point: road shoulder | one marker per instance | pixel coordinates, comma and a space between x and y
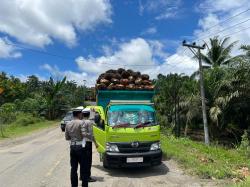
25, 138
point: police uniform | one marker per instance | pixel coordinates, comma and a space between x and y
75, 132
89, 124
89, 139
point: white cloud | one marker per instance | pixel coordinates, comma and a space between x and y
78, 77
161, 9
150, 30
151, 55
7, 50
213, 22
158, 48
39, 22
137, 54
141, 8
171, 12
137, 51
223, 5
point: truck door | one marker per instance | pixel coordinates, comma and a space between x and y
99, 131
100, 137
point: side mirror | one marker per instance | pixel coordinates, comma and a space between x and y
98, 121
97, 118
101, 124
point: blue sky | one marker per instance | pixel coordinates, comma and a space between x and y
80, 39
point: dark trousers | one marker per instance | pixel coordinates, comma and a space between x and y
78, 155
89, 157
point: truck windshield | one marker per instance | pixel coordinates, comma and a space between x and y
131, 118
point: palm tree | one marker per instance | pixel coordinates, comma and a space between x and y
53, 94
218, 52
191, 109
246, 49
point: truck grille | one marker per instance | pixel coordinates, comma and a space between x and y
128, 148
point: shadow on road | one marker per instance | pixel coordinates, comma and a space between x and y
141, 172
98, 179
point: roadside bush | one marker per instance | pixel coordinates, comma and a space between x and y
7, 113
245, 183
245, 144
25, 119
30, 105
205, 161
162, 120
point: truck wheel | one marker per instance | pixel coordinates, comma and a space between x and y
104, 163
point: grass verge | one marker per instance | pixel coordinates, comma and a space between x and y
15, 130
205, 161
245, 183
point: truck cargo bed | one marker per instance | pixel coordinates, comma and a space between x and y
105, 96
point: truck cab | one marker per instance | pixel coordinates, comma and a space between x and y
126, 130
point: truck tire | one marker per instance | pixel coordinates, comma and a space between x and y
104, 163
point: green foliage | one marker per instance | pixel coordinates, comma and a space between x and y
25, 119
12, 88
227, 92
30, 105
202, 160
218, 52
172, 89
50, 99
7, 113
245, 144
246, 49
55, 97
20, 123
15, 130
245, 183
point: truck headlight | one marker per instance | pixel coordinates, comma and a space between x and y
155, 146
112, 148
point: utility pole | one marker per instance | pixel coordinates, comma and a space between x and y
85, 90
197, 54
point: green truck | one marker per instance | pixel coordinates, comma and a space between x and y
126, 130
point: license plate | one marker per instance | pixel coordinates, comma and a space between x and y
134, 159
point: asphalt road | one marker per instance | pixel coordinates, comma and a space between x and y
42, 160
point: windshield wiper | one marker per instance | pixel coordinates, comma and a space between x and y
121, 125
142, 124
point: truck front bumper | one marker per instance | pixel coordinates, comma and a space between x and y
117, 160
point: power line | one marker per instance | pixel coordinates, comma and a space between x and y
138, 65
72, 58
220, 31
40, 51
230, 34
228, 19
131, 65
236, 32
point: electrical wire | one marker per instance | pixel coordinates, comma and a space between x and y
220, 31
228, 19
140, 65
39, 51
236, 32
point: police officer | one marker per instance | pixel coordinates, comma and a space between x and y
89, 126
75, 132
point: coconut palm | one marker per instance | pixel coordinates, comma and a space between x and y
246, 49
218, 52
